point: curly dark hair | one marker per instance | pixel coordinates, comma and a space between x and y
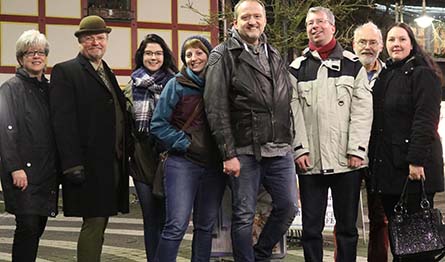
169, 59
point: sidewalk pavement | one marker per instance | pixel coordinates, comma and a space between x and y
123, 240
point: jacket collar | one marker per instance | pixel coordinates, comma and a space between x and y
90, 69
333, 62
235, 43
187, 78
21, 72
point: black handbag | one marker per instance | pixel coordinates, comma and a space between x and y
158, 181
145, 158
416, 234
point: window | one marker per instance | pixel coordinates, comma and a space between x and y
111, 9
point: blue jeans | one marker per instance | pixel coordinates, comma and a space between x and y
277, 174
153, 213
190, 186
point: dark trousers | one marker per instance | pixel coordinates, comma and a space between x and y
29, 229
345, 189
413, 206
153, 213
277, 174
378, 230
91, 238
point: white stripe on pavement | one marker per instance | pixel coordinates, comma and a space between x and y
7, 257
126, 232
128, 253
60, 217
327, 255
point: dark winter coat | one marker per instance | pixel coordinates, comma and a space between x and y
84, 124
407, 99
244, 104
27, 142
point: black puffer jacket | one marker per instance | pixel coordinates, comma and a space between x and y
27, 142
407, 98
244, 105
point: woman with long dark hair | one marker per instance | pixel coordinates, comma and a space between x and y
155, 66
404, 138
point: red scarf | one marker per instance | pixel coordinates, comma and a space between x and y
325, 50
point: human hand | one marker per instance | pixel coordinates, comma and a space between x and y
303, 162
354, 161
20, 179
416, 172
232, 167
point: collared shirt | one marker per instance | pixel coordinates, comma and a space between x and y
375, 68
259, 53
375, 71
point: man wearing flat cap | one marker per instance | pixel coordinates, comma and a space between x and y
90, 125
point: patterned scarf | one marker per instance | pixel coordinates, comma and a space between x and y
146, 91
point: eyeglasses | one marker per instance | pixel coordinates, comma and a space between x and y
311, 23
364, 43
90, 39
157, 53
35, 52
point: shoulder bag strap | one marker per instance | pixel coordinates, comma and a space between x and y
192, 116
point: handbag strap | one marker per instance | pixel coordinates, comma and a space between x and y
400, 207
439, 258
192, 116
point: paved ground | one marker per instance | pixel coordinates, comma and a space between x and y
124, 239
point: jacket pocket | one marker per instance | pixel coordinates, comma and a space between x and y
197, 151
305, 93
243, 87
400, 152
39, 165
343, 148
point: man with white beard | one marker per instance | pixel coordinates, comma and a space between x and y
367, 45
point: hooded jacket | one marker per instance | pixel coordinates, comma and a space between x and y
336, 103
27, 142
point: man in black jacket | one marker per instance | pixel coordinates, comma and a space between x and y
247, 97
88, 112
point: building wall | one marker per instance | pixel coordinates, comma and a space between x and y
59, 19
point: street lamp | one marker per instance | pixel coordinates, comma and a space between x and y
398, 9
424, 21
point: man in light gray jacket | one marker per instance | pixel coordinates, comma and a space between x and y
333, 94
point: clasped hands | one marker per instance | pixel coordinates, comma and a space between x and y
303, 162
